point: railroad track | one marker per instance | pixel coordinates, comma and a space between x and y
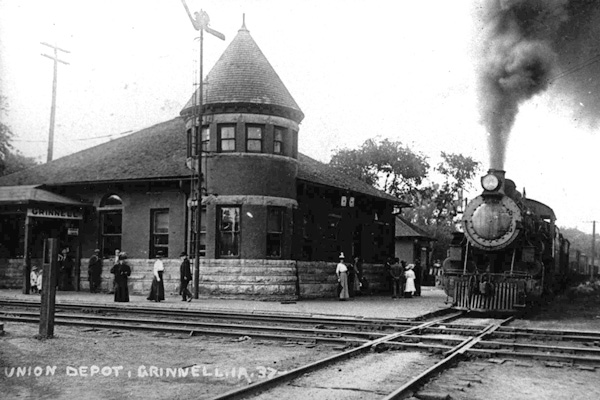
447, 338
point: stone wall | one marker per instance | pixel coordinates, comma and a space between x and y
218, 278
318, 279
281, 279
11, 273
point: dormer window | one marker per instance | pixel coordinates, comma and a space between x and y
278, 140
254, 135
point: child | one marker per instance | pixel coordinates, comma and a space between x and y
33, 280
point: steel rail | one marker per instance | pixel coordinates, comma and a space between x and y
160, 327
231, 314
453, 355
191, 325
293, 374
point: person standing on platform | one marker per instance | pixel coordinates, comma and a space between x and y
396, 274
65, 268
121, 271
185, 276
157, 291
387, 275
33, 278
95, 271
357, 268
409, 288
342, 274
418, 277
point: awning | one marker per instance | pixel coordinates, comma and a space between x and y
17, 195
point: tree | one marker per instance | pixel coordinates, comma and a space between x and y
396, 169
10, 161
389, 166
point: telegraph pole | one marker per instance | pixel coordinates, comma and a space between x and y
593, 248
53, 107
200, 21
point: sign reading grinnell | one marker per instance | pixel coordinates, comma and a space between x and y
53, 213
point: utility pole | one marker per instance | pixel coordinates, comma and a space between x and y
200, 22
593, 249
53, 107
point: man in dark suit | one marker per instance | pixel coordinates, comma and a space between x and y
185, 276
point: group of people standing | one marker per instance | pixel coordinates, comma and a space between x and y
121, 271
403, 278
349, 276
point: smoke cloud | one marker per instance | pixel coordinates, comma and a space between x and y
528, 46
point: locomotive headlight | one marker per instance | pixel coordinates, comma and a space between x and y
490, 182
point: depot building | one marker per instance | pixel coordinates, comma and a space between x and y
273, 221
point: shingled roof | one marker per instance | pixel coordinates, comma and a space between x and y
243, 75
157, 152
406, 229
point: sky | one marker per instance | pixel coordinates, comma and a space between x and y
358, 69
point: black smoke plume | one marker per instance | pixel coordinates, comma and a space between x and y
528, 46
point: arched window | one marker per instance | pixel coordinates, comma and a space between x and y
110, 212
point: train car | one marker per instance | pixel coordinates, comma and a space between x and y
509, 254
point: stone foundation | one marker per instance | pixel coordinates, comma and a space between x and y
280, 279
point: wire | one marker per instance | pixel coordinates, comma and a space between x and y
79, 139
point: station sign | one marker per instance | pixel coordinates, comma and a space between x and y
50, 212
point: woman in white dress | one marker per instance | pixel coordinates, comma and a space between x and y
409, 287
342, 274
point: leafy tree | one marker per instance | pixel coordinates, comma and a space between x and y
389, 166
397, 170
10, 161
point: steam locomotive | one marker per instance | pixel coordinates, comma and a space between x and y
509, 254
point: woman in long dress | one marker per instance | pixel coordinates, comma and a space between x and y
409, 287
157, 290
342, 274
121, 271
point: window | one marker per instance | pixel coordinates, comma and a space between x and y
229, 232
254, 138
274, 231
192, 140
111, 224
227, 138
192, 246
159, 229
278, 140
205, 138
333, 221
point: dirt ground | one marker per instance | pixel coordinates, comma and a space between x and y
107, 364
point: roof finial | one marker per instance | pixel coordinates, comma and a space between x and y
244, 22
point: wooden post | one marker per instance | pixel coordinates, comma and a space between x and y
49, 280
27, 256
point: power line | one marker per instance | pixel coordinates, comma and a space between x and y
78, 139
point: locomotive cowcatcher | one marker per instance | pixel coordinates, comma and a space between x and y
509, 254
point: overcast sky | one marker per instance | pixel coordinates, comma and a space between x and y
404, 70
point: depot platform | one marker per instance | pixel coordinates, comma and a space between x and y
431, 302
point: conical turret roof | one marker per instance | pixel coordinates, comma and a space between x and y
244, 76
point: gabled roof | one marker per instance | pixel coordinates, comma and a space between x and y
33, 194
406, 229
314, 171
157, 152
244, 75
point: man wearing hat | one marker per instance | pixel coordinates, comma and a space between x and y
95, 271
185, 276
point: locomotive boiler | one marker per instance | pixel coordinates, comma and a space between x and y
509, 252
